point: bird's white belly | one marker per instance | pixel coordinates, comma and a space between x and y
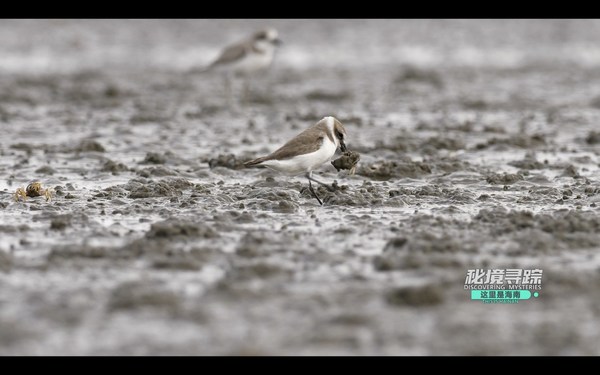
252, 62
304, 163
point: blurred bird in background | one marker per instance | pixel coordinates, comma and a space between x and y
245, 59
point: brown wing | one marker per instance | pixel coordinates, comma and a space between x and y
231, 54
304, 143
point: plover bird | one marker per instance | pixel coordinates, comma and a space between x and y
307, 151
250, 55
246, 58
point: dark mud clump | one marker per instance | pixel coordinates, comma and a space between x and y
533, 241
427, 243
428, 295
88, 145
142, 188
259, 244
111, 192
85, 145
570, 222
235, 216
154, 158
149, 114
143, 294
504, 178
113, 167
385, 170
593, 138
448, 165
570, 171
421, 249
14, 332
22, 146
451, 195
6, 261
542, 232
276, 200
70, 252
413, 74
521, 141
284, 207
529, 162
158, 171
433, 144
165, 251
412, 143
347, 161
475, 104
368, 194
504, 221
227, 161
402, 143
46, 170
260, 270
60, 222
174, 228
328, 96
176, 261
14, 228
166, 157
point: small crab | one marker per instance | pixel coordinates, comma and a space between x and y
34, 189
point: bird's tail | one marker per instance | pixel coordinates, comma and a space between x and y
254, 162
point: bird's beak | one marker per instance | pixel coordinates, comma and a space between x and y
342, 146
277, 42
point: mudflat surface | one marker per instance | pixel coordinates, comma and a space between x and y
478, 145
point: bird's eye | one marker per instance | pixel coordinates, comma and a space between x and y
339, 134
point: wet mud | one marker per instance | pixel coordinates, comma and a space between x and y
158, 241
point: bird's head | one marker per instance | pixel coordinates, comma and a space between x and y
266, 37
339, 133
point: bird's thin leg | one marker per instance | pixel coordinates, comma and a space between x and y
269, 86
311, 178
246, 94
228, 90
313, 192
